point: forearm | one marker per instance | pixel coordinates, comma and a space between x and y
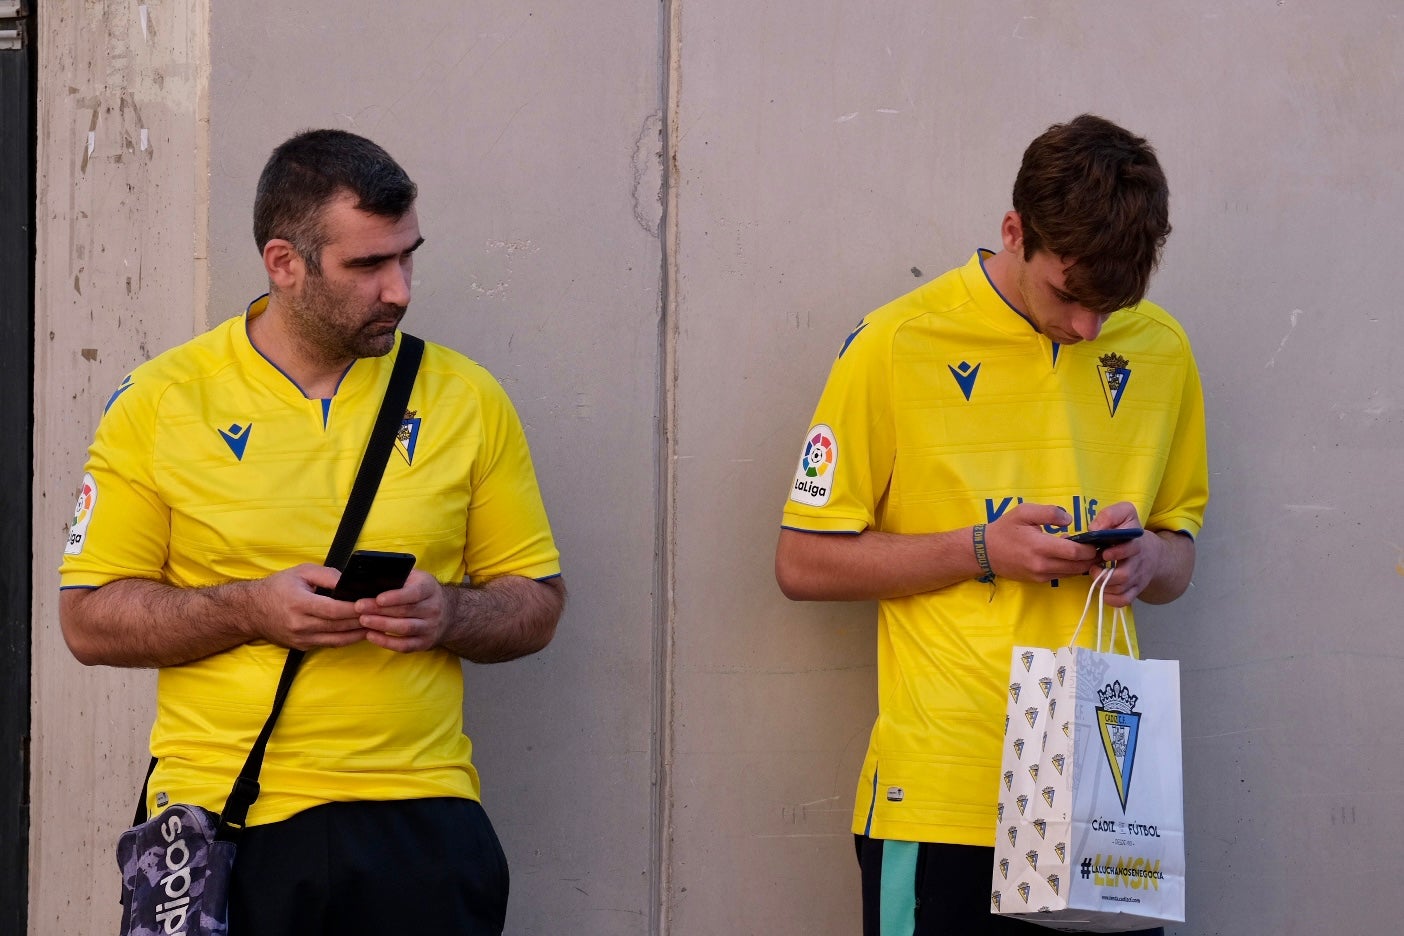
1174, 569
146, 624
871, 564
507, 618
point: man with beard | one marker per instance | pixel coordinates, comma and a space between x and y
212, 492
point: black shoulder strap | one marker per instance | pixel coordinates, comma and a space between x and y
382, 439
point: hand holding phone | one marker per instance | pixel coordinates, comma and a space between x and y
1104, 538
369, 573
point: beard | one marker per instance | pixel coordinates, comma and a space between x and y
331, 327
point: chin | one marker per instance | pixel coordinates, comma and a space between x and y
375, 345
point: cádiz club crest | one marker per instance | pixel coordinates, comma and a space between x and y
1119, 723
407, 438
1116, 373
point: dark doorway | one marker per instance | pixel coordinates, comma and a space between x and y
17, 148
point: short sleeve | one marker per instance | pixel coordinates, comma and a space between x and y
120, 527
1184, 488
508, 531
846, 458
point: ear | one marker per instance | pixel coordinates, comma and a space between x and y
285, 266
1011, 232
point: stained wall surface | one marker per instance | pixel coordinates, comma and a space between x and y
120, 276
683, 758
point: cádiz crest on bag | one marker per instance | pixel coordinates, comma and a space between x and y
1120, 724
175, 875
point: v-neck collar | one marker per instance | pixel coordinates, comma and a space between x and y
358, 377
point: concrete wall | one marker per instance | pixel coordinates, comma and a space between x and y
831, 150
683, 758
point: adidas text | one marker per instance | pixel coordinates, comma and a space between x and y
171, 914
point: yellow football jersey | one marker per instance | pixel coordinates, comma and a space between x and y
210, 466
946, 408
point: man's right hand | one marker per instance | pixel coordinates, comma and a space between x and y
142, 623
291, 614
1020, 549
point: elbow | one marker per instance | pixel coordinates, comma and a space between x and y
87, 659
806, 566
545, 630
85, 651
77, 629
542, 637
790, 576
789, 587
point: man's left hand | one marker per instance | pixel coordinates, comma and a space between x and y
408, 619
1136, 560
1155, 568
503, 619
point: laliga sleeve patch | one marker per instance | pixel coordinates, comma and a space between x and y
82, 514
814, 479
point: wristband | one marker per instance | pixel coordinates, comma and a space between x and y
982, 554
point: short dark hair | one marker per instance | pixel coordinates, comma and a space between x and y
308, 171
1092, 192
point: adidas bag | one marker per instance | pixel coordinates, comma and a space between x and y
1090, 834
175, 875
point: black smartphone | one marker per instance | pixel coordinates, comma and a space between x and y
1104, 538
368, 573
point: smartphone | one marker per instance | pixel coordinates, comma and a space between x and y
368, 573
1104, 538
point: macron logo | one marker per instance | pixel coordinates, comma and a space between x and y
965, 376
236, 437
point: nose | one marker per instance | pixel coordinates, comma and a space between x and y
1088, 324
395, 285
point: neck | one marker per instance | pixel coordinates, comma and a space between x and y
1000, 268
315, 374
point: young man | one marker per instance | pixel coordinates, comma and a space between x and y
212, 493
1028, 393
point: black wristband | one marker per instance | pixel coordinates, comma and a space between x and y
982, 554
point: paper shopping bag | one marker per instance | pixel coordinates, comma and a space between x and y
1090, 833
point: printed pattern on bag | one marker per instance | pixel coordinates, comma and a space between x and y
175, 877
1033, 699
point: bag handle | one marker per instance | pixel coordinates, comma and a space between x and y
1099, 587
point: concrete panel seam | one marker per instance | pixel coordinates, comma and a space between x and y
662, 820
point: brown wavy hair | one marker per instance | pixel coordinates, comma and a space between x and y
1093, 192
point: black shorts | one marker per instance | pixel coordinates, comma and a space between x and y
372, 868
934, 889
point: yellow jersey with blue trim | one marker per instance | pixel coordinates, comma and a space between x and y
945, 408
209, 465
